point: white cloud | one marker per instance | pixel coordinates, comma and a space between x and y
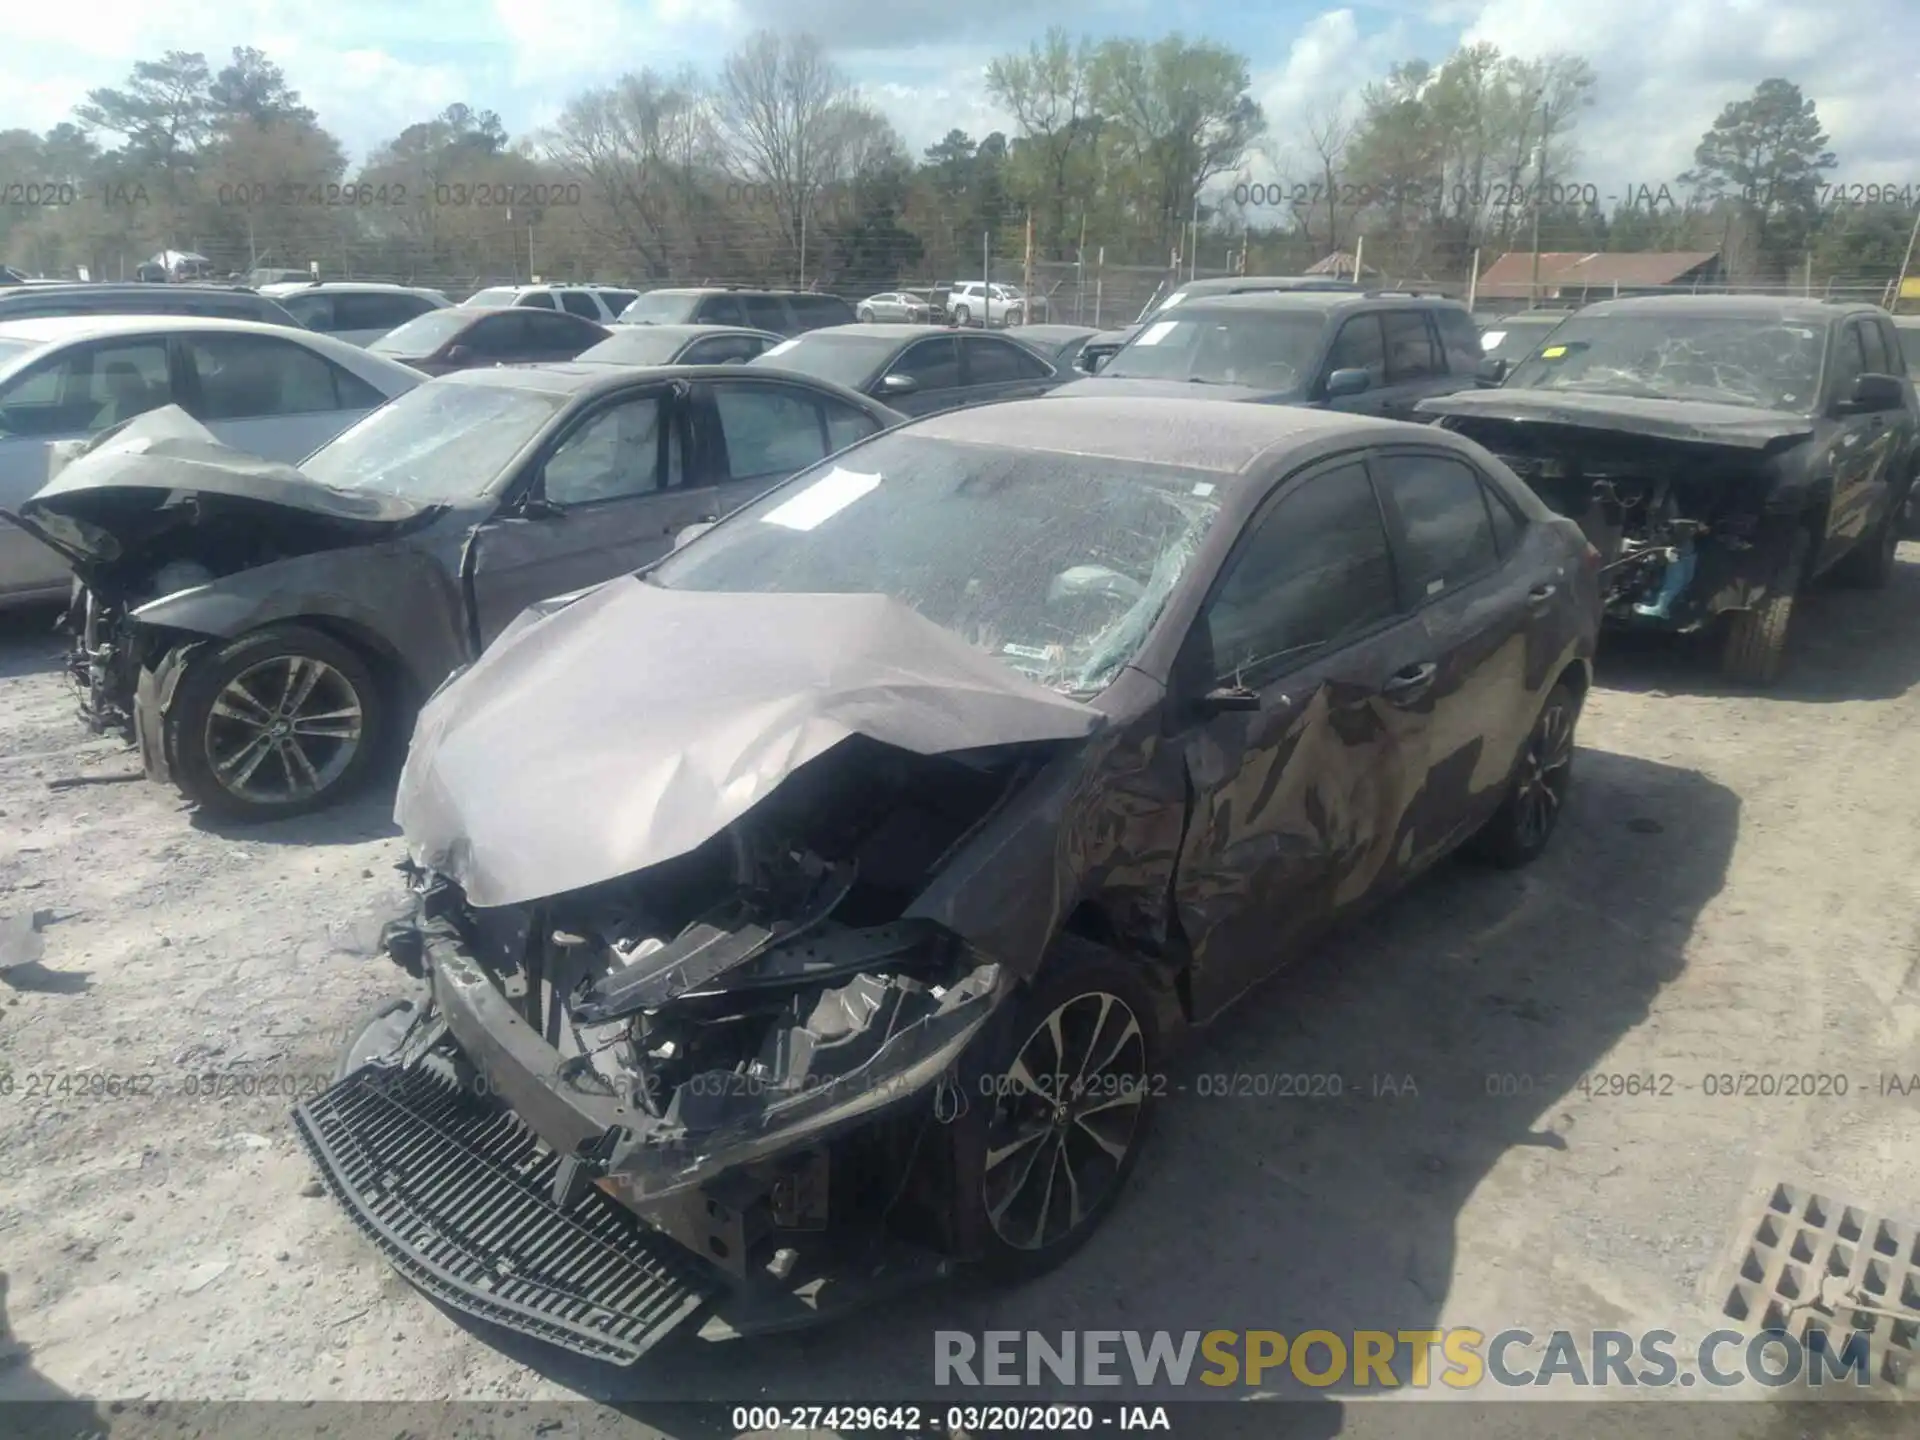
1327, 65
1666, 68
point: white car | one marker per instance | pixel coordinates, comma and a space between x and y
357, 311
601, 303
971, 301
267, 389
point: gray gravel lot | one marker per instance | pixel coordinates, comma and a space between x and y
1734, 889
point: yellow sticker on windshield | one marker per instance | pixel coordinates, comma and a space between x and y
1553, 352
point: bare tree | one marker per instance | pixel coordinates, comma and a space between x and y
1329, 132
639, 147
782, 108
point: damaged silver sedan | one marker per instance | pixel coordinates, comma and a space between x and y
816, 912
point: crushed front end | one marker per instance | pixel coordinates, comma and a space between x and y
1685, 529
746, 1047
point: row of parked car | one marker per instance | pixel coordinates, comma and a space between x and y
837, 779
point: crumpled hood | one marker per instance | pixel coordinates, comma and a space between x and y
1115, 387
635, 723
1700, 421
167, 458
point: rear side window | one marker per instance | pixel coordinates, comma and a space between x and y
1896, 356
1459, 340
247, 377
1410, 350
374, 311
1875, 348
88, 389
1447, 531
721, 310
1508, 527
313, 311
814, 312
997, 362
765, 312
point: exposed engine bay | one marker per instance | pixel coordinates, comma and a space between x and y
1680, 526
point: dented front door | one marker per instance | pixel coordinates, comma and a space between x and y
1297, 803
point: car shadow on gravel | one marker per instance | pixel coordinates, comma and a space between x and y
1454, 1021
29, 642
367, 816
1843, 645
32, 1407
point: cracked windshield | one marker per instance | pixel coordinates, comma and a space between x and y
1767, 364
1056, 564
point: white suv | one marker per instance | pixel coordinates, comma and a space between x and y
972, 301
599, 303
357, 311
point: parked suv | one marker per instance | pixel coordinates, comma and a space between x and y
1364, 352
357, 311
601, 304
972, 300
784, 312
216, 302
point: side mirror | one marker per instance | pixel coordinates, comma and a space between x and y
458, 354
692, 533
1227, 700
538, 507
1493, 370
1872, 394
1342, 383
897, 384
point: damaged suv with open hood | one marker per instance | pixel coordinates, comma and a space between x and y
814, 910
1720, 452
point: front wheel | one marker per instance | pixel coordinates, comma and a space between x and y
1756, 642
1059, 1097
962, 315
281, 722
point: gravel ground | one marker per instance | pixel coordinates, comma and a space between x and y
1733, 890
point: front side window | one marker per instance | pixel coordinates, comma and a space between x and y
935, 364
1315, 570
613, 455
536, 300
578, 302
1360, 346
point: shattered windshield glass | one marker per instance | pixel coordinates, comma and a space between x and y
1757, 361
440, 443
1058, 565
1266, 349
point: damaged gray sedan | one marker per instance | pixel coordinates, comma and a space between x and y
264, 631
815, 912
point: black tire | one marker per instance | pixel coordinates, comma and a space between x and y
205, 746
1870, 564
1520, 829
1756, 640
962, 315
1103, 1005
863, 315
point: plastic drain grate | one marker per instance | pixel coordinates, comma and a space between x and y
1810, 1263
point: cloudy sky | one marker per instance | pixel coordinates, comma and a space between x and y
370, 67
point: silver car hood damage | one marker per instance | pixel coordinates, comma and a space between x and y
634, 724
170, 452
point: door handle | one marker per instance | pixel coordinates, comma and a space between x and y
1410, 684
1540, 594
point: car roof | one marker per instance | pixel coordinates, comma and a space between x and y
279, 288
1052, 332
54, 329
1258, 284
691, 331
879, 330
734, 290
1223, 436
1322, 300
574, 377
1747, 307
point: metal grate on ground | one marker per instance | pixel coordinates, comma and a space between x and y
457, 1196
1810, 1263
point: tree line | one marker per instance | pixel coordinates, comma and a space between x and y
775, 169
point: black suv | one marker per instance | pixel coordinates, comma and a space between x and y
1365, 352
784, 312
1720, 451
219, 302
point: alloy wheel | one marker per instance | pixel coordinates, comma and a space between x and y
283, 730
1545, 769
1069, 1112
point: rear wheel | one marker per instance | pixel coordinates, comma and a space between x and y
278, 723
863, 315
1756, 642
962, 315
1059, 1095
1520, 829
